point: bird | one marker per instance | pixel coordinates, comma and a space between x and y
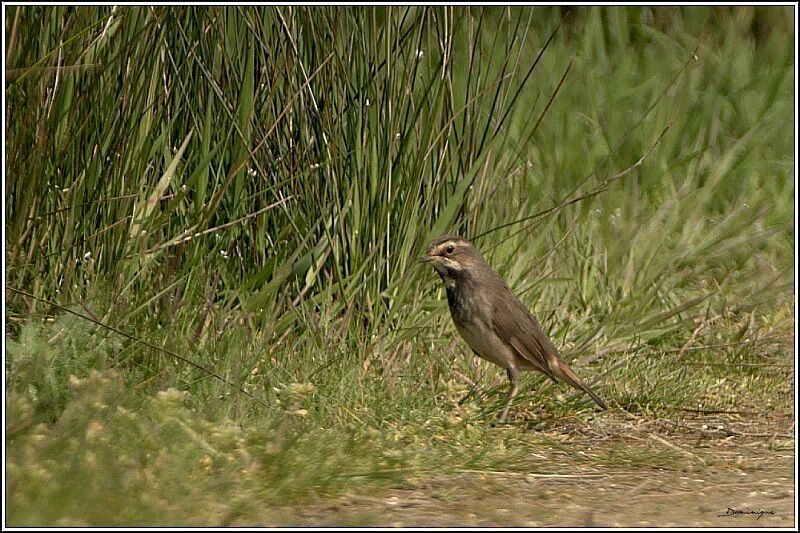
495, 324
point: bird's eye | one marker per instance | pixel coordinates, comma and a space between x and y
450, 249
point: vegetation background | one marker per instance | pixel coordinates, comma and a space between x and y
212, 216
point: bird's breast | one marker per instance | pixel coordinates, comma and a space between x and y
484, 342
473, 320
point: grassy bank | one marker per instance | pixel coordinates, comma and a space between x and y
248, 189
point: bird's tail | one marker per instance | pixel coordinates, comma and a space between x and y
570, 377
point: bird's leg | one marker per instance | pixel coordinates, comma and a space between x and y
513, 377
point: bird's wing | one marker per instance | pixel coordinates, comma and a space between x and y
513, 323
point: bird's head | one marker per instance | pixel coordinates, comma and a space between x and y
453, 257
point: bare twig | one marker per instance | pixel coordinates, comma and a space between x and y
186, 238
93, 202
725, 344
552, 98
141, 341
623, 347
601, 187
77, 243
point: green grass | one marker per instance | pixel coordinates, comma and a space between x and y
249, 188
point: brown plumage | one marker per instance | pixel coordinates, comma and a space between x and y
495, 324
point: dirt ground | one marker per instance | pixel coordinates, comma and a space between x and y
711, 469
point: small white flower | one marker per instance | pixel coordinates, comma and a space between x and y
223, 253
87, 256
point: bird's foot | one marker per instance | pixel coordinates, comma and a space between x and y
501, 420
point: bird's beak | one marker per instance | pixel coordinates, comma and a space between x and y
424, 259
